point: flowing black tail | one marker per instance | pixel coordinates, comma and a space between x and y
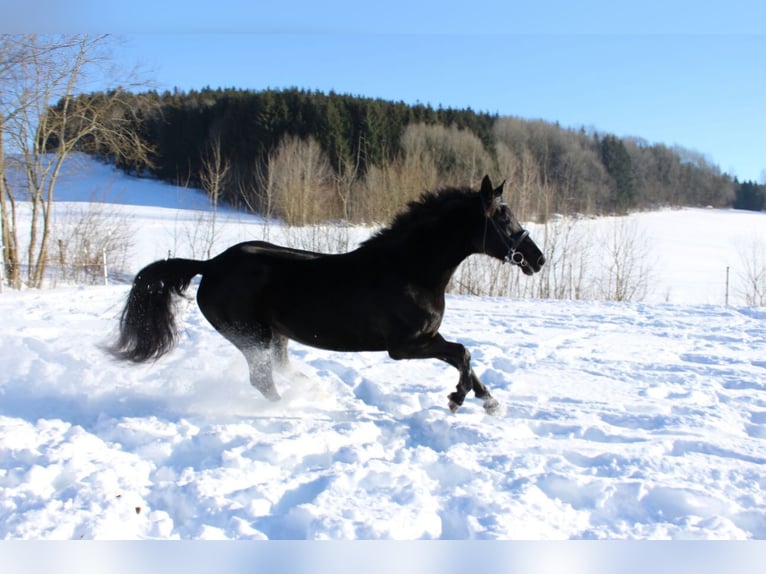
147, 325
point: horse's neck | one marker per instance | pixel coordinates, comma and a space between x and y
428, 255
434, 262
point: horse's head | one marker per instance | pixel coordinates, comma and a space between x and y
503, 236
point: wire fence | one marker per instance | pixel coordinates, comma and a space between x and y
95, 273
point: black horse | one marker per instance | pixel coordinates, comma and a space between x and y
387, 295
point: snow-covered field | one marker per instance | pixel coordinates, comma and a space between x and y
633, 420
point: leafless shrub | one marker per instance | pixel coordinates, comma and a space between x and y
752, 278
567, 249
88, 237
623, 253
194, 235
215, 169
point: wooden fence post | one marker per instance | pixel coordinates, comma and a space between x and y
106, 271
2, 265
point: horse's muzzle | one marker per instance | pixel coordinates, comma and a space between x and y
528, 267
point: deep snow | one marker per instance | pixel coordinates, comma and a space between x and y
631, 420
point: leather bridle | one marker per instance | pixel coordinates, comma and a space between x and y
514, 256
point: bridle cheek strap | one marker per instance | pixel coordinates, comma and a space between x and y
516, 241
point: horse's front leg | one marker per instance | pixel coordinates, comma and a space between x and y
455, 354
468, 382
482, 392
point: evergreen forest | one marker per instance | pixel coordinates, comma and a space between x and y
307, 157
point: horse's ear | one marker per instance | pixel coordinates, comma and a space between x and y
490, 196
487, 192
486, 184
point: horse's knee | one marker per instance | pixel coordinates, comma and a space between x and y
463, 363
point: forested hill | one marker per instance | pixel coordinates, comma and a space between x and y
308, 156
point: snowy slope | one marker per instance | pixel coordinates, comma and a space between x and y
640, 420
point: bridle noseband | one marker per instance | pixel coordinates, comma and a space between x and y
514, 256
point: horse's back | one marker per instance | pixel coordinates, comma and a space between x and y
253, 280
271, 249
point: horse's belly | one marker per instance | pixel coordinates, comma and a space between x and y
340, 326
334, 338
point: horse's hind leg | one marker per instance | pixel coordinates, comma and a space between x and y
233, 319
279, 351
259, 362
256, 347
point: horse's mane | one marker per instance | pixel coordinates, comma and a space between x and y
422, 217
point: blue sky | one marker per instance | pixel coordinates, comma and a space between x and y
685, 73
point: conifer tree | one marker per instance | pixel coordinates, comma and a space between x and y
617, 162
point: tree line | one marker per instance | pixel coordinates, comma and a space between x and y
307, 156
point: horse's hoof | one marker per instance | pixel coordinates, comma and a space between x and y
455, 400
491, 406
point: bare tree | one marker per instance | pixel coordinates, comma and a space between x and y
527, 176
215, 169
445, 155
346, 178
431, 157
302, 179
12, 57
43, 120
385, 190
